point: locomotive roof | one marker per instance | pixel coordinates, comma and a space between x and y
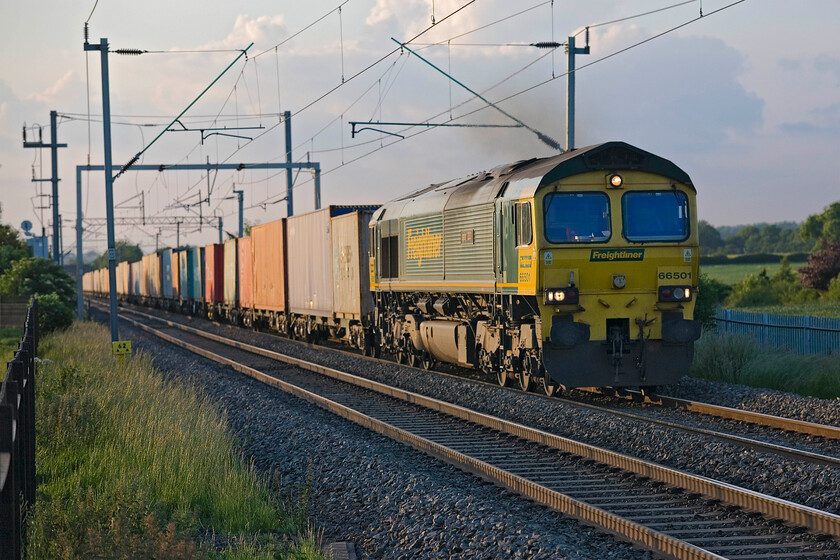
523, 178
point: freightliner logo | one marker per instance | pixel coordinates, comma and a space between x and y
610, 255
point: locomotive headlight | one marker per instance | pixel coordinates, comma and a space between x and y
555, 296
615, 180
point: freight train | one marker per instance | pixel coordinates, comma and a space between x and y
577, 270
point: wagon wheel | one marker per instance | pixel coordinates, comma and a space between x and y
402, 355
413, 358
525, 380
427, 361
502, 376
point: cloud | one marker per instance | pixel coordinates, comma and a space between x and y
829, 65
260, 30
790, 64
825, 124
52, 93
683, 92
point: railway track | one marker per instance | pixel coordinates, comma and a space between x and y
672, 513
794, 426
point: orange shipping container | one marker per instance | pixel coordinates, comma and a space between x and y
176, 275
268, 243
246, 272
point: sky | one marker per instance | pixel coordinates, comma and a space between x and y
745, 99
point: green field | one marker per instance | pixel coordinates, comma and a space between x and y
734, 273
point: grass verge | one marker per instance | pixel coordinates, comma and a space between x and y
133, 466
745, 361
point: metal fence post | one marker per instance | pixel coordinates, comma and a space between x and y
10, 523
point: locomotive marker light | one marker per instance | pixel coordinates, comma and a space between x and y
674, 293
615, 180
619, 281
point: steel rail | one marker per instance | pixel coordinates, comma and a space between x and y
746, 442
813, 519
758, 418
616, 525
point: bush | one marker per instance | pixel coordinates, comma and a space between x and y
823, 266
34, 276
754, 290
833, 292
53, 314
762, 290
710, 294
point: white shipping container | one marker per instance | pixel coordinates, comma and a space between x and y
351, 278
310, 264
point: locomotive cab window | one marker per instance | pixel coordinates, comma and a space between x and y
655, 216
524, 231
577, 217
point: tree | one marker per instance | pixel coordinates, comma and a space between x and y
12, 247
126, 251
710, 239
823, 227
823, 266
36, 276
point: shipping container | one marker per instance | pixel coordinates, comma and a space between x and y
310, 263
136, 277
87, 282
176, 275
268, 243
310, 257
166, 271
184, 273
123, 278
246, 273
106, 286
231, 284
155, 276
214, 273
197, 273
145, 278
351, 276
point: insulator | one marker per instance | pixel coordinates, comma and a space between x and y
86, 33
547, 45
130, 52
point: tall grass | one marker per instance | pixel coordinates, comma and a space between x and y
9, 339
743, 360
130, 465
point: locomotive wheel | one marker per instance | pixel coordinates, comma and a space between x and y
502, 376
413, 358
525, 381
549, 387
402, 355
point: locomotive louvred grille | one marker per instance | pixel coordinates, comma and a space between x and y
615, 157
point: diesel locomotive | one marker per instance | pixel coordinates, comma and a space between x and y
577, 270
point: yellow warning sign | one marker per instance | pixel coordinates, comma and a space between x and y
121, 347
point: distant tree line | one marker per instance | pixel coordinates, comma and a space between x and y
818, 280
752, 239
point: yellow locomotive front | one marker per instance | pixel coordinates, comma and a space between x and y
618, 269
